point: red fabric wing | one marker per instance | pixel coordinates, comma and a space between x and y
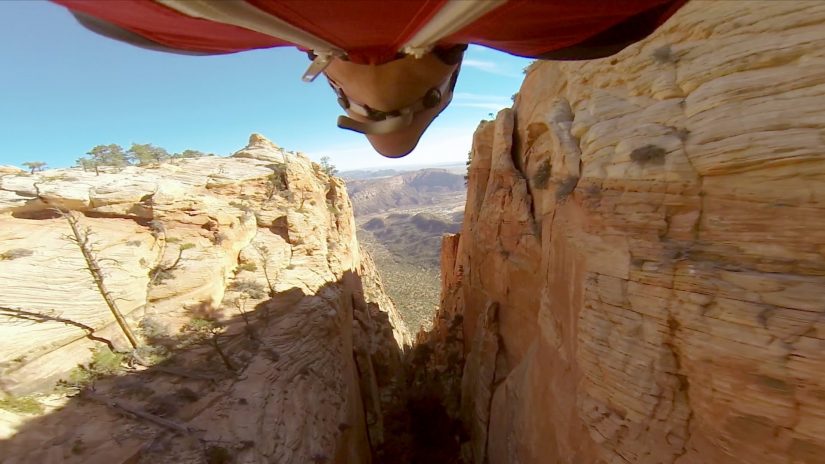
532, 28
170, 28
371, 31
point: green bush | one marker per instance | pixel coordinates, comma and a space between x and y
104, 363
248, 266
159, 341
250, 287
542, 175
648, 154
21, 404
664, 54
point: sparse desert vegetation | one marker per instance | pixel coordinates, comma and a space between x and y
413, 288
402, 230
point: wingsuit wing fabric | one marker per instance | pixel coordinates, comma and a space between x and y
374, 31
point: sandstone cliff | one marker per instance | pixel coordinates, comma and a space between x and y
255, 254
641, 272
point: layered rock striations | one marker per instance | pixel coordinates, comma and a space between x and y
640, 277
260, 249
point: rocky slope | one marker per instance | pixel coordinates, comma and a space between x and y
401, 219
640, 277
414, 238
264, 331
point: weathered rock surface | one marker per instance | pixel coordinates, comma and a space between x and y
315, 346
650, 228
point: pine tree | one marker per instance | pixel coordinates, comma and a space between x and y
145, 153
109, 155
327, 167
189, 154
35, 166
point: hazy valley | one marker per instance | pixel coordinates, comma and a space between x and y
401, 219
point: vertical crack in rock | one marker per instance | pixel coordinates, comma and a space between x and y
683, 381
478, 383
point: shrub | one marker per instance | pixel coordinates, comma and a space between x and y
157, 227
200, 328
649, 154
219, 237
663, 54
159, 275
542, 175
250, 287
682, 132
15, 253
187, 394
566, 187
153, 329
327, 167
35, 166
21, 404
207, 330
159, 341
218, 455
104, 363
243, 206
277, 181
248, 266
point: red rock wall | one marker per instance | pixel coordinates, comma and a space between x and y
641, 271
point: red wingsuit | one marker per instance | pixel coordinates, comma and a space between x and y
373, 31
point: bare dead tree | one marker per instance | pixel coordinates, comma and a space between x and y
215, 332
240, 305
205, 327
161, 271
81, 237
121, 406
265, 254
39, 318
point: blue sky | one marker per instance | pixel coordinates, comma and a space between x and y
64, 90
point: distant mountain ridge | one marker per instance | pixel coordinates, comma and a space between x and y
378, 172
415, 188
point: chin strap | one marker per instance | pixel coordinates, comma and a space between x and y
387, 122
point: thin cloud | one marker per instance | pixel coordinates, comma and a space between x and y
477, 96
475, 100
484, 106
490, 67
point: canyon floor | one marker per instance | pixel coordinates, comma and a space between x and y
401, 220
